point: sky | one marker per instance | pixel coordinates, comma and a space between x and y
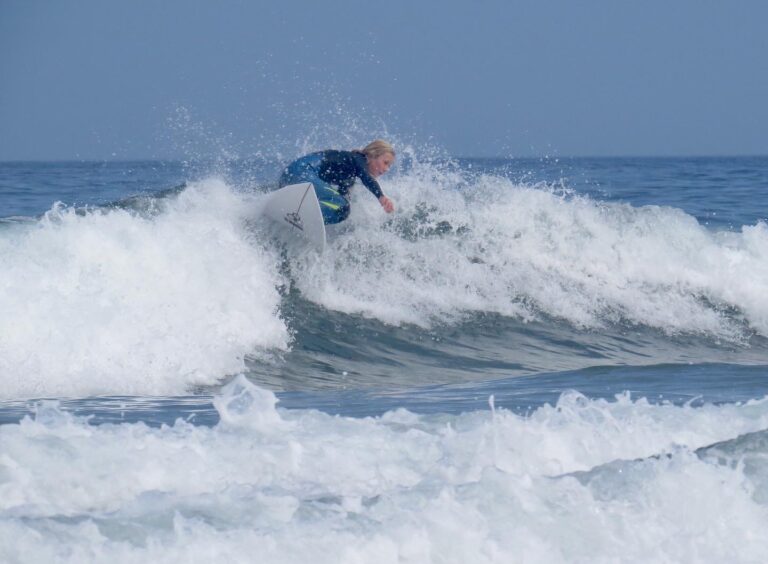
115, 79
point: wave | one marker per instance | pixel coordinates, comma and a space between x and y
162, 295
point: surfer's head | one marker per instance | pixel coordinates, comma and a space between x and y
380, 156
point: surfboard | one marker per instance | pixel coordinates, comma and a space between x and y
296, 208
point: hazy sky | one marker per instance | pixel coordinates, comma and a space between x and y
83, 79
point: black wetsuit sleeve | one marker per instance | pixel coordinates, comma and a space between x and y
367, 180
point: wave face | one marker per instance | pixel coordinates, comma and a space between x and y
479, 275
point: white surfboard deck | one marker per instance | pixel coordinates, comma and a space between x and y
296, 208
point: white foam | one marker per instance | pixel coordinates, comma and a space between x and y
113, 302
526, 250
301, 486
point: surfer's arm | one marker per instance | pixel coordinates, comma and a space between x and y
370, 183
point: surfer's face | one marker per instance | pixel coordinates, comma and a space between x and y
381, 164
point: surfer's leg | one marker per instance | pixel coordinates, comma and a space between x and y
295, 173
334, 206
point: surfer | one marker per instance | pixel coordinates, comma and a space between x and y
333, 173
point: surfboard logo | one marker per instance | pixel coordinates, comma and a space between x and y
296, 210
294, 219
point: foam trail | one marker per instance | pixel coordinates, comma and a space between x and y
112, 302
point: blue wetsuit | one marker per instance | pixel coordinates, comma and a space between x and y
332, 173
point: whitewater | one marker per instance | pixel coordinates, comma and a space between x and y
533, 361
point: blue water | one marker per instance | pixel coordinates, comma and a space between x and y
564, 299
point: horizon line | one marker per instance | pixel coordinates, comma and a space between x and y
463, 157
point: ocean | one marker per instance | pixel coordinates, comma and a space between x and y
531, 360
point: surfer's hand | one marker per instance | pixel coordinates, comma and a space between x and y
387, 204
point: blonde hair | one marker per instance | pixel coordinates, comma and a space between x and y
376, 148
